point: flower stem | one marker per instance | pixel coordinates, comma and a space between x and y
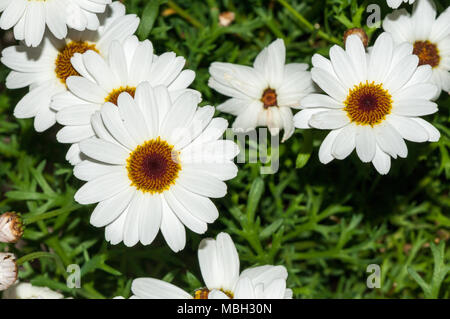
184, 14
41, 254
51, 214
308, 25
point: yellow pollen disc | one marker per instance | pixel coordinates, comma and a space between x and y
153, 166
114, 95
204, 292
427, 52
368, 104
64, 67
269, 98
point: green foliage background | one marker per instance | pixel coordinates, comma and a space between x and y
326, 224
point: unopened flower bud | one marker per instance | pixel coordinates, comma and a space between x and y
8, 270
11, 228
358, 32
226, 18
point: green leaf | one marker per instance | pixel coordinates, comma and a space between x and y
256, 191
148, 19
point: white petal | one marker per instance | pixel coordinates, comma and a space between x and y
102, 188
172, 229
108, 210
104, 151
332, 119
381, 161
149, 288
345, 142
365, 143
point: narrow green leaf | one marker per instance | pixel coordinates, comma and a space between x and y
148, 19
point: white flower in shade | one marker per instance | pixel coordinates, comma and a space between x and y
11, 228
8, 270
429, 35
396, 3
154, 165
373, 102
265, 94
45, 69
29, 18
25, 290
104, 80
219, 264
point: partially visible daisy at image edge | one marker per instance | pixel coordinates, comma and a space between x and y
45, 69
25, 290
153, 165
372, 102
429, 35
30, 18
219, 265
394, 4
102, 80
265, 94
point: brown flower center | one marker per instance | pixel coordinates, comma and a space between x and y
64, 68
427, 52
368, 104
114, 95
269, 98
153, 166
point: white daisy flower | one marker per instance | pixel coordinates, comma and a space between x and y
25, 290
429, 36
104, 80
154, 165
373, 102
8, 270
396, 3
11, 227
265, 94
29, 18
45, 69
219, 265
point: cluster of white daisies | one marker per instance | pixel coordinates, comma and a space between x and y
152, 158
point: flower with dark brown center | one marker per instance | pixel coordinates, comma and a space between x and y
153, 166
368, 104
269, 98
427, 52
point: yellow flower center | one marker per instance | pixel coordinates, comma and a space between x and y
64, 68
113, 96
153, 166
203, 293
368, 104
427, 52
269, 98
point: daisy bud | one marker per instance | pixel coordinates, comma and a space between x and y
360, 33
8, 270
226, 18
11, 228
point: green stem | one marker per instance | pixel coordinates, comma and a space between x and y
51, 214
184, 14
42, 254
308, 25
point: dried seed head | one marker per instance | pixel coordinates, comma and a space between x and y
360, 33
8, 270
11, 227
